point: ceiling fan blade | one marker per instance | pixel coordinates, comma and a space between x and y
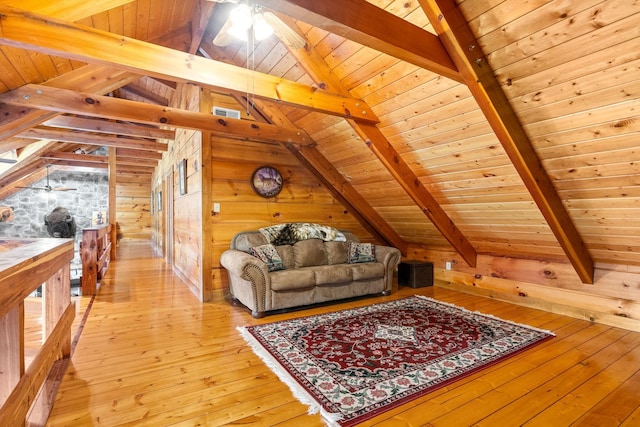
224, 1
64, 189
284, 32
224, 38
10, 161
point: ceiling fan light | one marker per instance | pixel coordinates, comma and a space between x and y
261, 28
239, 32
241, 16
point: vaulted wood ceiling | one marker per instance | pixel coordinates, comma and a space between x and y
487, 127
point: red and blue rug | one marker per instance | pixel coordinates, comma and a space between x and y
354, 364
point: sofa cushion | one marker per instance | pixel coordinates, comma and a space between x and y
286, 253
307, 253
368, 270
360, 252
331, 274
269, 255
336, 252
287, 280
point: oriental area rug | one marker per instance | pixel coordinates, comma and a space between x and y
352, 365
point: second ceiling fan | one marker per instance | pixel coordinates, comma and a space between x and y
48, 187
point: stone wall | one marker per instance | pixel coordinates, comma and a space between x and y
30, 205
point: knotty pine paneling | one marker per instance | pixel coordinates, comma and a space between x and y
186, 246
133, 206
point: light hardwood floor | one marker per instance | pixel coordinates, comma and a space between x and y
151, 355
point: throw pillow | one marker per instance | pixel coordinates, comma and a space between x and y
269, 255
360, 252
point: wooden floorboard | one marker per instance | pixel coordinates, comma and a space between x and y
150, 354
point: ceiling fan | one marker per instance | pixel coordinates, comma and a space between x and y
48, 187
248, 18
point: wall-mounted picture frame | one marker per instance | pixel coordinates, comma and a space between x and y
266, 181
182, 175
159, 198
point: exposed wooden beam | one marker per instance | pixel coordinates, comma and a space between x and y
73, 157
146, 94
56, 37
45, 98
131, 161
109, 127
456, 35
371, 26
138, 154
90, 138
319, 71
75, 164
346, 194
199, 21
95, 79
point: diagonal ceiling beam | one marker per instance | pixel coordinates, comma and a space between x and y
61, 100
320, 73
343, 191
456, 35
403, 174
371, 26
202, 13
39, 33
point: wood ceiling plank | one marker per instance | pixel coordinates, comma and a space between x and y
62, 38
61, 100
479, 77
69, 10
360, 21
110, 127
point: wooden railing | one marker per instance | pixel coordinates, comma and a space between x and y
95, 253
26, 264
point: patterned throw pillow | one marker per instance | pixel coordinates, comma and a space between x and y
360, 252
269, 255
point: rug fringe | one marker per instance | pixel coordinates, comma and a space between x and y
298, 391
487, 315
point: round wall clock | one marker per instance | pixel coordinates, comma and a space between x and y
266, 181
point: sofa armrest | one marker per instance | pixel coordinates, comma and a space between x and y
248, 279
390, 258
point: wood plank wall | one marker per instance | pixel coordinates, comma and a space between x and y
133, 206
303, 198
187, 223
544, 284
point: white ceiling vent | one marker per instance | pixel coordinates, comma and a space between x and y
226, 112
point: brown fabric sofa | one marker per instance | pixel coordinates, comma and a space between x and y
314, 271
